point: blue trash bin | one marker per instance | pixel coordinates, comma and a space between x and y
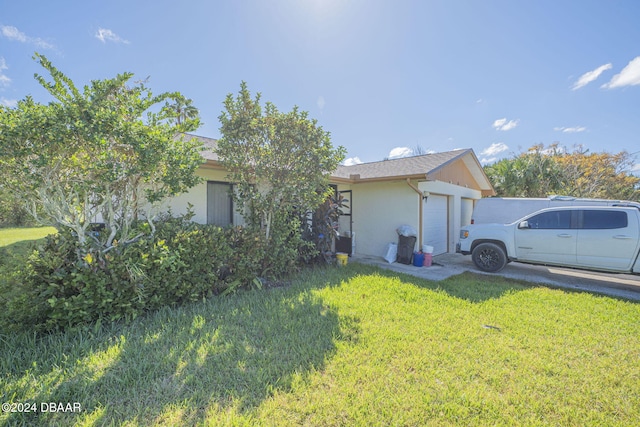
418, 259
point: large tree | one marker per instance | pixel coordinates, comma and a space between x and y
599, 175
280, 162
109, 150
544, 171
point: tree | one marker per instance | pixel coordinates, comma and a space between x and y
599, 175
531, 174
182, 110
280, 162
544, 171
102, 151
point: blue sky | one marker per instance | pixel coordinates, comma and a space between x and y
382, 76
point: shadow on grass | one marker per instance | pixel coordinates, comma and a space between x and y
177, 365
473, 287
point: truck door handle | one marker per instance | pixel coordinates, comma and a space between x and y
565, 235
622, 237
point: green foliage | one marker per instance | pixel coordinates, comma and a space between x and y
322, 227
106, 150
278, 161
12, 211
182, 262
280, 164
544, 171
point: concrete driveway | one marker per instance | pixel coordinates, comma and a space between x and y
447, 265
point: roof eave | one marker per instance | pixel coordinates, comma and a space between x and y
356, 180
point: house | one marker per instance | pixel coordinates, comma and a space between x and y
433, 193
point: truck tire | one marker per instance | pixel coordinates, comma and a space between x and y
489, 257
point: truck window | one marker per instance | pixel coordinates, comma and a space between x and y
604, 220
551, 220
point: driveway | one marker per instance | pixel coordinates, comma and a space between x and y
447, 265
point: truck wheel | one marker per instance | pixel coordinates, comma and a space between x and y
489, 257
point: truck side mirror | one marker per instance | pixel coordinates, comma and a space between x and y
524, 224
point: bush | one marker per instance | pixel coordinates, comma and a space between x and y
182, 262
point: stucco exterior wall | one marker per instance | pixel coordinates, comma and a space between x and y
378, 209
197, 196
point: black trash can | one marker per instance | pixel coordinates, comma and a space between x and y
406, 244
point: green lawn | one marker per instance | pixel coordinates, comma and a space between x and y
16, 244
342, 347
9, 236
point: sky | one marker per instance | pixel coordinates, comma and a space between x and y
385, 78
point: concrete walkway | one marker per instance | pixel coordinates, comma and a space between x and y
446, 265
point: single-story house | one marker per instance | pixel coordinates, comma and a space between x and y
433, 193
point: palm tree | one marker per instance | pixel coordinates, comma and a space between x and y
182, 109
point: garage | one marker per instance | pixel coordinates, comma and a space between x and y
433, 193
435, 227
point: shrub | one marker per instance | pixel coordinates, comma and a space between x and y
182, 262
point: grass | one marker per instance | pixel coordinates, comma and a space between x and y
350, 346
16, 244
9, 236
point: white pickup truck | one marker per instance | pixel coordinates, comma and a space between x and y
587, 237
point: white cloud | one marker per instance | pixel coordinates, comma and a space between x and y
11, 103
504, 125
490, 154
4, 79
629, 76
12, 33
104, 35
400, 152
575, 129
320, 102
485, 161
352, 161
590, 76
494, 149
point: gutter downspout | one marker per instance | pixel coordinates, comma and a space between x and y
422, 197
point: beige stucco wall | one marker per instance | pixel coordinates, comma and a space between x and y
197, 196
378, 209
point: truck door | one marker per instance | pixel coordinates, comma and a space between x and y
549, 238
608, 239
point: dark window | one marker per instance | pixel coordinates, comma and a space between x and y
219, 204
603, 219
551, 220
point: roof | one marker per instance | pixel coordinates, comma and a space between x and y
209, 145
425, 167
416, 167
399, 168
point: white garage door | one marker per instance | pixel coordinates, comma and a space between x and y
435, 216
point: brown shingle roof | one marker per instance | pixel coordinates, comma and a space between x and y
414, 167
209, 144
399, 168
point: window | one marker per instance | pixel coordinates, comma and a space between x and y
219, 203
603, 219
551, 220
